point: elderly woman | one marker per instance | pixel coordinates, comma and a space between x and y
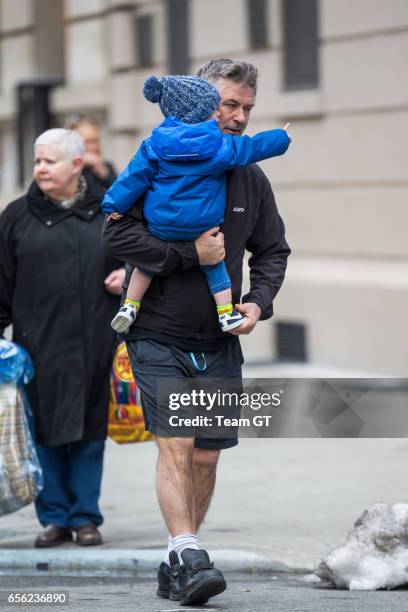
59, 292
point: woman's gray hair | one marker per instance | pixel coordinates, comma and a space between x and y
240, 72
69, 141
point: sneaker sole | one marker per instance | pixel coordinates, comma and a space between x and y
202, 592
233, 325
121, 324
167, 595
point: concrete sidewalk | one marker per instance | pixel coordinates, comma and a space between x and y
280, 504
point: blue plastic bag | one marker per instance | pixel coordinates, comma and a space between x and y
21, 477
15, 364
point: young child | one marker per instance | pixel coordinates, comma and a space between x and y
182, 168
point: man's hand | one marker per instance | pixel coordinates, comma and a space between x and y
252, 313
114, 281
210, 247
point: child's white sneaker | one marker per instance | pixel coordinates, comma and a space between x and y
231, 321
124, 318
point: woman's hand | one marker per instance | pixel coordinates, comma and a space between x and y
114, 281
94, 161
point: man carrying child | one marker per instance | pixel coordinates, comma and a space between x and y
177, 331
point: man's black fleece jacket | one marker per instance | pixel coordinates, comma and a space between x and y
178, 307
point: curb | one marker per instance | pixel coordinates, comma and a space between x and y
125, 560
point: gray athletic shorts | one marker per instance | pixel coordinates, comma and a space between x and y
153, 362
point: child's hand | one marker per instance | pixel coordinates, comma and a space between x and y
285, 127
114, 216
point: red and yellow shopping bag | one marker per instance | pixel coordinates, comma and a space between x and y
126, 423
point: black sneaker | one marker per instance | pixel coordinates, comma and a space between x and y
198, 579
167, 577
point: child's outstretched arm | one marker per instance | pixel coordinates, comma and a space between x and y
132, 183
245, 150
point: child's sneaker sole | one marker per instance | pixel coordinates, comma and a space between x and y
227, 322
120, 324
233, 325
124, 319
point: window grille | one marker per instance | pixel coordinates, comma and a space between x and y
300, 30
257, 21
291, 342
144, 40
178, 36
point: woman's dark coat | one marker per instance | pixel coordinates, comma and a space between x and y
52, 271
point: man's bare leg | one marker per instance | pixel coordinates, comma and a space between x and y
175, 490
204, 474
185, 483
197, 580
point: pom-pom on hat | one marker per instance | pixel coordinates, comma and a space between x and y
189, 98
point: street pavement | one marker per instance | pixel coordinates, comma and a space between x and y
285, 501
245, 593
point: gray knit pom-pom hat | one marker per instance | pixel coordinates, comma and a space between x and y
189, 98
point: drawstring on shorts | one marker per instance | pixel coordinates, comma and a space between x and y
195, 364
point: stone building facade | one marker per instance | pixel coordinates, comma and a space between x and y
335, 70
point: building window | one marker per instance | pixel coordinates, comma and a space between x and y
144, 40
178, 36
300, 30
33, 118
257, 22
291, 342
49, 37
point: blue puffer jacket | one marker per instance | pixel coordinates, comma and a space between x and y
182, 168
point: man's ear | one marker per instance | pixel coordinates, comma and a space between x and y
77, 165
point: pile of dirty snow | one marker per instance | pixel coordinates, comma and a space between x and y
375, 553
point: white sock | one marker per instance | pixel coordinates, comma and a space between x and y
181, 542
170, 547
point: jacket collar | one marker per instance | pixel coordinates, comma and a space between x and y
49, 214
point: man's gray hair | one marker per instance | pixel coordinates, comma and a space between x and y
240, 72
69, 141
